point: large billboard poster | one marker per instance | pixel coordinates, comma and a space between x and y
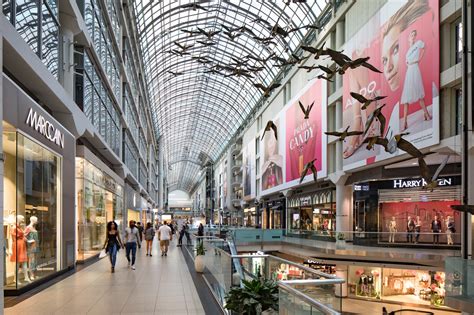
272, 167
248, 161
304, 137
402, 40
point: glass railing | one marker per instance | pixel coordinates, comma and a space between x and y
301, 288
459, 283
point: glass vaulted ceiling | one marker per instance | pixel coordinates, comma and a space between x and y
196, 113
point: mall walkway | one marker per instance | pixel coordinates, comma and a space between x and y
158, 286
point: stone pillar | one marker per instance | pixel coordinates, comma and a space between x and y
66, 56
343, 207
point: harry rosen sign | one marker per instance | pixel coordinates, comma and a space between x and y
45, 127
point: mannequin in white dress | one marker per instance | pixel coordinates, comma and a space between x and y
413, 90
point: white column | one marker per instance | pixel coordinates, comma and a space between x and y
343, 208
338, 156
338, 43
2, 239
161, 176
341, 272
66, 64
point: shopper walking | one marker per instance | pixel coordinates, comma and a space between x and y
450, 230
140, 233
132, 240
200, 232
181, 234
149, 236
436, 229
165, 236
186, 233
112, 243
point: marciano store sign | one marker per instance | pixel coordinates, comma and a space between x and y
45, 127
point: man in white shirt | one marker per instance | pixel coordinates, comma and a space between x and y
131, 239
165, 236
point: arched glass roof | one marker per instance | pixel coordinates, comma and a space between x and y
196, 112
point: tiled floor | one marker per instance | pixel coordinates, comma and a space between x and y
367, 307
159, 285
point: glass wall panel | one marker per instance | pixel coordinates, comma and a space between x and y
31, 209
100, 200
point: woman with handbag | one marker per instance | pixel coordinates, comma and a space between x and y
112, 243
149, 235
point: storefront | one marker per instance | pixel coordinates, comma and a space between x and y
422, 287
400, 212
273, 214
99, 200
250, 217
38, 198
133, 204
312, 215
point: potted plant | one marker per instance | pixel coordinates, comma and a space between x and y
340, 241
199, 259
254, 297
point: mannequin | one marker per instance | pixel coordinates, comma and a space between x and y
392, 227
32, 245
18, 247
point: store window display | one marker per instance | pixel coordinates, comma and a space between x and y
32, 188
424, 287
365, 281
313, 215
99, 200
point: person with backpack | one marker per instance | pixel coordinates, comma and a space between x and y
149, 236
132, 240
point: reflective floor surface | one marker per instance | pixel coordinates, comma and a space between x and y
159, 285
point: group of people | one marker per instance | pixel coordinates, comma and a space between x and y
413, 228
134, 235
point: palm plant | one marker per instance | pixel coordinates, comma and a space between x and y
200, 251
253, 297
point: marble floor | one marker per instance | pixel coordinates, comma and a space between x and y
159, 285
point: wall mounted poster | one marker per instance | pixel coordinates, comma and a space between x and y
402, 40
272, 168
304, 137
299, 140
248, 161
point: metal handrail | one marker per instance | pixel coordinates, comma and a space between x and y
312, 302
314, 281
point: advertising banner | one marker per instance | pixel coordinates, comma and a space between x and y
402, 41
299, 140
304, 137
248, 162
272, 168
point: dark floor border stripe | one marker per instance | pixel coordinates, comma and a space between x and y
205, 295
12, 300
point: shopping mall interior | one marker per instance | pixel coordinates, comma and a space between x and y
237, 157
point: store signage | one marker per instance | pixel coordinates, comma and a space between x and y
45, 127
305, 201
413, 183
109, 183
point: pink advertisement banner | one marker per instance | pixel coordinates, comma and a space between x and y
402, 40
304, 140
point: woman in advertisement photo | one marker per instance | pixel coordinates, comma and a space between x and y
272, 162
413, 90
385, 42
